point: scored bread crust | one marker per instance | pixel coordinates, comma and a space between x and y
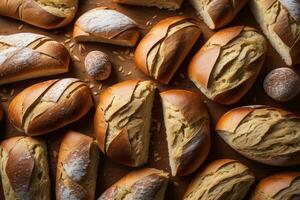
147, 183
106, 25
196, 149
270, 186
230, 121
29, 55
77, 167
178, 43
202, 65
50, 105
24, 169
41, 13
168, 4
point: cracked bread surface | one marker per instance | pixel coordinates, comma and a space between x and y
24, 169
222, 179
167, 4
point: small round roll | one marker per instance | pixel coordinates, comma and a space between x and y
278, 187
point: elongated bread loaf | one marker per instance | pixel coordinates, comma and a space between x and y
218, 13
225, 68
123, 119
280, 22
77, 167
188, 132
162, 50
28, 55
278, 187
147, 184
24, 169
47, 14
106, 25
168, 4
50, 105
264, 134
221, 179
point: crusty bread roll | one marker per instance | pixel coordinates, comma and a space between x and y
47, 14
28, 55
106, 25
221, 179
50, 105
123, 119
77, 167
218, 13
188, 132
225, 68
24, 169
280, 22
168, 4
283, 186
148, 183
162, 50
264, 134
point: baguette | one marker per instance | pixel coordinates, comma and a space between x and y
218, 13
225, 68
28, 55
280, 22
263, 134
163, 49
278, 187
188, 131
122, 121
167, 4
221, 179
24, 169
50, 105
147, 184
77, 167
47, 14
107, 26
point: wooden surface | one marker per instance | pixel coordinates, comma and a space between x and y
110, 172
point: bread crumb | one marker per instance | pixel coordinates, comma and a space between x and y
154, 16
131, 54
21, 27
12, 92
100, 87
92, 86
95, 93
67, 41
76, 58
115, 52
129, 73
121, 58
67, 35
4, 99
120, 68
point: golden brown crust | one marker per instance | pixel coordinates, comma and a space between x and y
168, 4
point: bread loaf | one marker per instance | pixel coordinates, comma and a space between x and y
47, 14
280, 22
28, 55
188, 132
50, 105
122, 121
146, 184
162, 50
168, 4
225, 68
264, 134
221, 179
24, 169
77, 167
278, 187
218, 13
106, 25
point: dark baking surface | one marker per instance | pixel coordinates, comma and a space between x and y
110, 172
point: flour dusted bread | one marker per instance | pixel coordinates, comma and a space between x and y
106, 25
47, 14
188, 132
168, 4
28, 55
77, 167
50, 105
218, 13
162, 50
280, 22
24, 169
148, 183
225, 68
264, 134
221, 179
122, 121
278, 187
